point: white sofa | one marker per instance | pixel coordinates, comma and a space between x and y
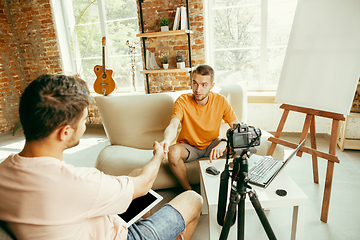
133, 122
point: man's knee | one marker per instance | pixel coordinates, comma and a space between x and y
176, 153
173, 155
194, 198
186, 199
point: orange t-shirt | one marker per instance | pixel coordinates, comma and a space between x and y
201, 124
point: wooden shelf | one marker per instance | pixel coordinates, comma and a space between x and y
170, 70
164, 34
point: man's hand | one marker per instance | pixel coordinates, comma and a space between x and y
217, 151
159, 151
170, 134
145, 178
165, 144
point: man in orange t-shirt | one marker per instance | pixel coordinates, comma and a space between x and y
200, 114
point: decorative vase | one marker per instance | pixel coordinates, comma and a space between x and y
165, 65
180, 64
164, 28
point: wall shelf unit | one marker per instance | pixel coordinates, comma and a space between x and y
163, 34
169, 70
143, 35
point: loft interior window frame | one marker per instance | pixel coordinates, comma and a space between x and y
263, 47
72, 61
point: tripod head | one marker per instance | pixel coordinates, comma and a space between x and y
240, 169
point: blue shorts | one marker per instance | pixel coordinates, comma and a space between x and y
165, 224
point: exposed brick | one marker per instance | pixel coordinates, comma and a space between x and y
201, 46
21, 51
198, 18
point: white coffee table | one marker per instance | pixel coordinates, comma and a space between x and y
209, 187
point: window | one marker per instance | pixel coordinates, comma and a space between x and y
84, 23
247, 40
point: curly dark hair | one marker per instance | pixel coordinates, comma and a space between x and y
50, 102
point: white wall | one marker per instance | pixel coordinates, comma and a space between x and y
267, 116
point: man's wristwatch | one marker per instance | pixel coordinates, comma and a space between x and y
223, 140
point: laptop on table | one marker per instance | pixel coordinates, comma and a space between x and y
262, 170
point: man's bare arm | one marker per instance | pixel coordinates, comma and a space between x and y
170, 133
147, 175
231, 124
219, 150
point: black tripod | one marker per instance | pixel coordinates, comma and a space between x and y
237, 199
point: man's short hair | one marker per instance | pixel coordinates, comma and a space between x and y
50, 102
204, 70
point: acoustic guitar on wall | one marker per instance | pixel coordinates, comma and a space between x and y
104, 83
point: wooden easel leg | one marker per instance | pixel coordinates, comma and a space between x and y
329, 172
327, 192
305, 131
279, 130
313, 146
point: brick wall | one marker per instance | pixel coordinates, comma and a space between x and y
153, 10
28, 48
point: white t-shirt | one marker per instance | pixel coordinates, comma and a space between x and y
45, 198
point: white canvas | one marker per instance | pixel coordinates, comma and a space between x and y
322, 63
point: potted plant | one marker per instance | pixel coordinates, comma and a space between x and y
180, 60
164, 23
165, 58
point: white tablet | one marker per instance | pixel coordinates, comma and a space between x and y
139, 206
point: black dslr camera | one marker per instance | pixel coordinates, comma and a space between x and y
242, 137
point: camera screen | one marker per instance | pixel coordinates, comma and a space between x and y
240, 140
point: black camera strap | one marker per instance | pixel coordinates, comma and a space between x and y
223, 189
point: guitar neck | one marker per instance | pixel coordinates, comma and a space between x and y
103, 59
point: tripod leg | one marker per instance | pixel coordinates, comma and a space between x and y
230, 214
264, 221
241, 219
